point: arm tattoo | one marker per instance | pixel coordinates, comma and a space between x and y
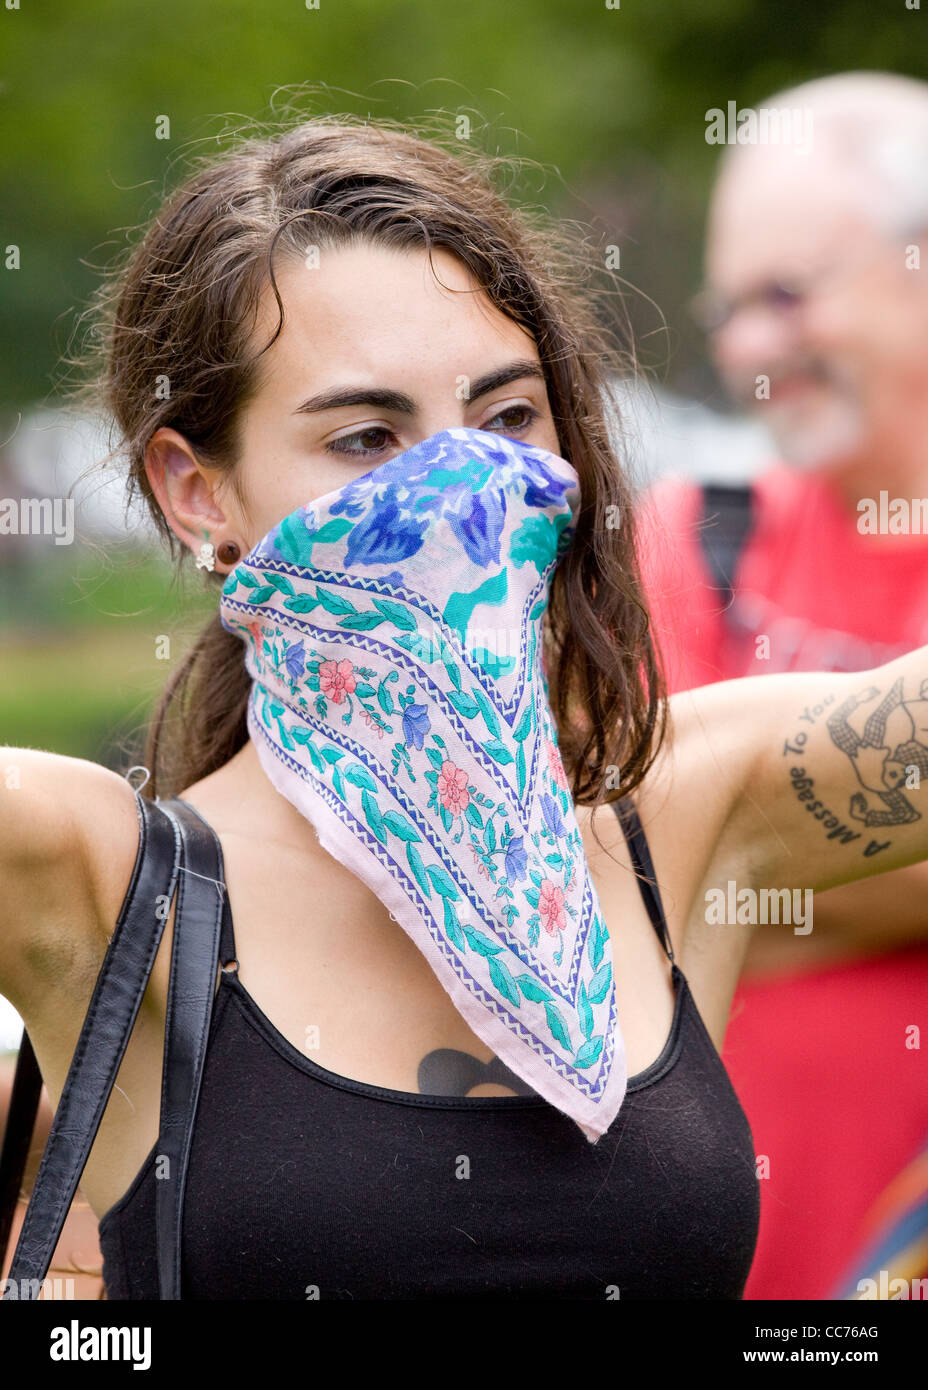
888, 750
892, 744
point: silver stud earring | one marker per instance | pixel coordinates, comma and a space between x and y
206, 560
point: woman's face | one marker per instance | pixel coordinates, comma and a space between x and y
374, 356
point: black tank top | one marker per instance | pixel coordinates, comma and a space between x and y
305, 1184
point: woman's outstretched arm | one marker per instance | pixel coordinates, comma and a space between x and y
834, 785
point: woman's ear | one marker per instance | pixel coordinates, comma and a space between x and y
187, 492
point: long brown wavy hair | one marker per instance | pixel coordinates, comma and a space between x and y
179, 306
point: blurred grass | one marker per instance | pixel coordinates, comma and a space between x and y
79, 637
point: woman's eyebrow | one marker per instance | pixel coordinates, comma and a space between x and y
398, 401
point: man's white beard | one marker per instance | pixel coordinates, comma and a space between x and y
823, 438
824, 427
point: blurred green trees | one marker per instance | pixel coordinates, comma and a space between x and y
610, 98
615, 98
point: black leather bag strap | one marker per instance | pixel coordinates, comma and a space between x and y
727, 518
101, 1046
198, 922
17, 1136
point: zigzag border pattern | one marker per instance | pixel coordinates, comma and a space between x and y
575, 1076
361, 641
568, 989
340, 580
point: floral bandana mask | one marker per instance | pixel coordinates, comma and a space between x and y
425, 755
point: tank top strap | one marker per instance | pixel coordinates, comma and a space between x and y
637, 843
227, 957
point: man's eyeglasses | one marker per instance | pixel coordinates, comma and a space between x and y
712, 310
784, 295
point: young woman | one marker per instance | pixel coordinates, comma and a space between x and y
300, 311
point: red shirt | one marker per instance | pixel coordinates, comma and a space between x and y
835, 1101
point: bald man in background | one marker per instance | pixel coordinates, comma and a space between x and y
816, 305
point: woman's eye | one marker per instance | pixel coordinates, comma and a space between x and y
373, 440
527, 410
341, 445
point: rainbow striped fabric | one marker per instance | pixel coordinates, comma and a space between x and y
892, 1262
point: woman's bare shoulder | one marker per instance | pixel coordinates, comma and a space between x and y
68, 841
687, 798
